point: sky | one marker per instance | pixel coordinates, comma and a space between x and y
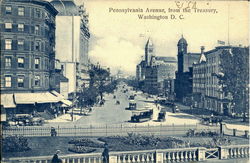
118, 38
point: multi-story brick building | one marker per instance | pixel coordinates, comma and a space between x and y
27, 55
152, 71
27, 45
207, 92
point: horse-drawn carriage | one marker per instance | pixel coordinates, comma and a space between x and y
212, 120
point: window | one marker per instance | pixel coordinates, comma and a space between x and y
37, 63
20, 44
8, 43
8, 25
37, 29
7, 61
20, 27
7, 81
21, 11
37, 80
38, 13
20, 81
8, 10
20, 62
37, 45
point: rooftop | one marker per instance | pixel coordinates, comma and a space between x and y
66, 7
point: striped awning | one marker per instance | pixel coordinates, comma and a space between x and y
7, 101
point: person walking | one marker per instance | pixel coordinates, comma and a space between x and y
55, 158
105, 154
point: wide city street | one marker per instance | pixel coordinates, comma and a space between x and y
112, 113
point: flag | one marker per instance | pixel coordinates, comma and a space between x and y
221, 42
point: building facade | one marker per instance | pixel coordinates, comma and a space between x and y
153, 70
28, 46
207, 92
72, 42
183, 81
28, 69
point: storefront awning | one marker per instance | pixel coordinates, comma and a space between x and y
7, 100
57, 94
32, 98
66, 103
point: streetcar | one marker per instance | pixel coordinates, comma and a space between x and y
142, 115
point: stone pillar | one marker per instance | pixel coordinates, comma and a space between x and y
234, 132
113, 159
158, 157
246, 134
201, 154
223, 153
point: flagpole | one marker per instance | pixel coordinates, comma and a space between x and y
228, 28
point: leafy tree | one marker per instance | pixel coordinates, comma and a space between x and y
235, 76
99, 84
98, 78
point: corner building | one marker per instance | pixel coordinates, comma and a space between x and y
27, 57
27, 46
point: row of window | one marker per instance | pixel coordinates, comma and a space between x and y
207, 69
20, 27
39, 45
21, 62
20, 81
21, 11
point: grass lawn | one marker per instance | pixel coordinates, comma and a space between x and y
46, 146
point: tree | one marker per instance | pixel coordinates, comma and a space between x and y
98, 77
235, 76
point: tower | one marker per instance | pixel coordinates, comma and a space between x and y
182, 50
149, 51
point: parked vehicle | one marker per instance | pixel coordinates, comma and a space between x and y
142, 115
162, 116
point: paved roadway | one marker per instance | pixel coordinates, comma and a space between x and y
111, 113
113, 119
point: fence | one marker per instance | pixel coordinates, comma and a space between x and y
150, 156
106, 130
235, 132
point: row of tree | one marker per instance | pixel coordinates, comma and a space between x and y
100, 83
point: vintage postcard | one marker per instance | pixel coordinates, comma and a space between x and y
124, 81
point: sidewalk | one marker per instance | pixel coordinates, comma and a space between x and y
230, 122
67, 117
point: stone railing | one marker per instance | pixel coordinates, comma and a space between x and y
161, 155
153, 156
234, 151
132, 156
72, 158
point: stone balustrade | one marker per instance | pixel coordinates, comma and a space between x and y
132, 156
73, 158
153, 156
234, 151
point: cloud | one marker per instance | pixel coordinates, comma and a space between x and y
116, 53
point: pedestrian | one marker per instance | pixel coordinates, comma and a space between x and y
53, 131
55, 158
105, 154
